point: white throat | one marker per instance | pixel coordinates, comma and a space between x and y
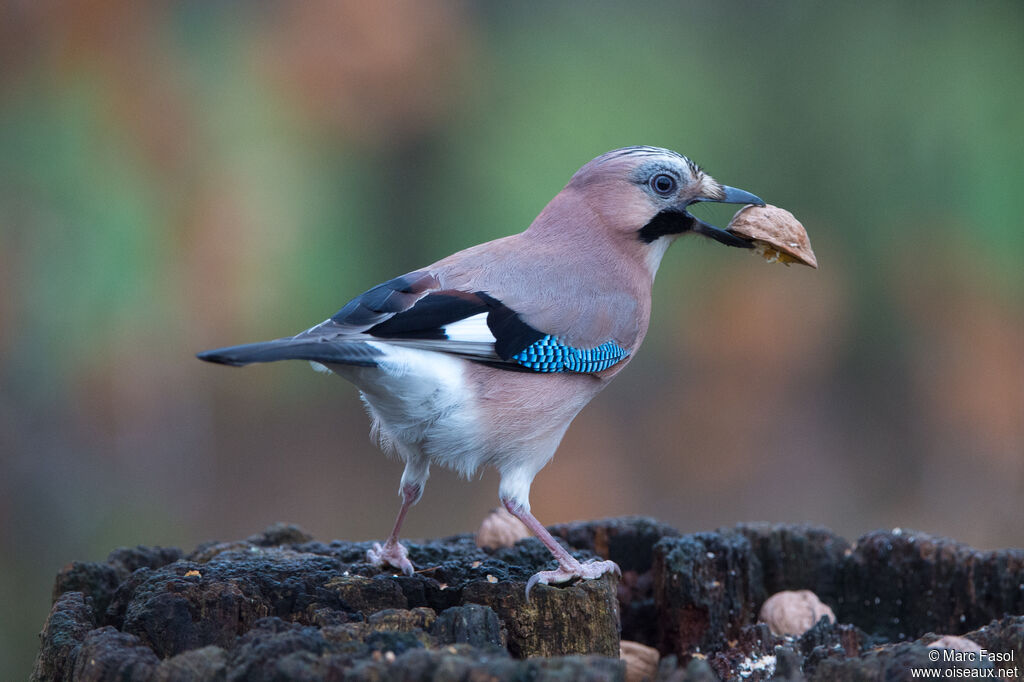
656, 251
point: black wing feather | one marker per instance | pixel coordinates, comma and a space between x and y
511, 334
426, 319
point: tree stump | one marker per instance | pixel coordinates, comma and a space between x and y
281, 605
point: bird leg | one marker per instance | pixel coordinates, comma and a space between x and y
568, 567
392, 552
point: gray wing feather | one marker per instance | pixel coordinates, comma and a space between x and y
323, 350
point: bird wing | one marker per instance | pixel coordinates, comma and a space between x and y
415, 311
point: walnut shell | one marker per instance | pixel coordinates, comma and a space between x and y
794, 612
776, 233
956, 643
641, 661
500, 529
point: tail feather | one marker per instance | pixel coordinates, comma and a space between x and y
357, 353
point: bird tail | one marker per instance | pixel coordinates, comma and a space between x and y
321, 350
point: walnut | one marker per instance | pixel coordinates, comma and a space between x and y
500, 529
641, 661
793, 612
777, 235
954, 642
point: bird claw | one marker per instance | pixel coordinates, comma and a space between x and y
563, 574
390, 554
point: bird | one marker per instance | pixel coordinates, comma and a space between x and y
485, 357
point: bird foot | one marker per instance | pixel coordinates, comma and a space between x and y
565, 573
390, 554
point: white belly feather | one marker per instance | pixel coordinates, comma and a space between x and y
421, 406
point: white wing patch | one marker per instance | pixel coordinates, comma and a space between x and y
320, 367
469, 337
473, 329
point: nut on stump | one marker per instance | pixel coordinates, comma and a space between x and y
641, 661
956, 643
794, 612
500, 529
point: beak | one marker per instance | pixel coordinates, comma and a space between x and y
730, 195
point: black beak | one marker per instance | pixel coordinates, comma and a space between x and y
730, 195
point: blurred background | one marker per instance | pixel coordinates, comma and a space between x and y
179, 175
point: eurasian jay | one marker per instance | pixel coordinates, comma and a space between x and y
486, 356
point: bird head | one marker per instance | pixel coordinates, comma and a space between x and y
645, 192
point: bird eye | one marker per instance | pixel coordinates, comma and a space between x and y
663, 183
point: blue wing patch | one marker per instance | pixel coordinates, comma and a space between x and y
551, 355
